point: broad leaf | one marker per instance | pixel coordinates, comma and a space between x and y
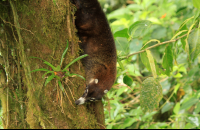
145, 61
122, 33
196, 3
151, 94
176, 108
139, 28
194, 43
128, 80
168, 60
189, 103
167, 107
152, 63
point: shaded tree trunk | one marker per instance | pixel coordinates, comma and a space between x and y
41, 29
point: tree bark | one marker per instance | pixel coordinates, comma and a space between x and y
41, 29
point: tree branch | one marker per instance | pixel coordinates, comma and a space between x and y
159, 44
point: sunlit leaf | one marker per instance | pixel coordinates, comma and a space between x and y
176, 108
151, 94
193, 120
196, 3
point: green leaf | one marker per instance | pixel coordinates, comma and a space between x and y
145, 61
47, 73
196, 3
135, 45
197, 109
72, 62
120, 91
49, 64
76, 75
159, 33
63, 55
189, 126
128, 80
122, 33
168, 60
128, 122
139, 28
167, 107
151, 94
189, 103
193, 120
49, 79
194, 43
57, 68
176, 108
122, 45
42, 69
60, 85
152, 63
176, 88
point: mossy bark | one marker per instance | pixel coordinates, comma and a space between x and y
40, 29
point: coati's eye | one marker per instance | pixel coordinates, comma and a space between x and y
105, 91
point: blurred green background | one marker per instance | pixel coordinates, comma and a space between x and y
178, 72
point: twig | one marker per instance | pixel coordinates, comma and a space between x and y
162, 43
17, 26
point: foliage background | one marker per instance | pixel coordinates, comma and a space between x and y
178, 72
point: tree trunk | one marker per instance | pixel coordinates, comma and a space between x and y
41, 29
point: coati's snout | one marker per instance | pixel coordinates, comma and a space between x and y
93, 92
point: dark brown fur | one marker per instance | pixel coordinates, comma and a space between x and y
98, 43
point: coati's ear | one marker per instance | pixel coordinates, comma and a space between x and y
105, 91
93, 81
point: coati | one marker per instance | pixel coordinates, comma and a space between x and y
98, 43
